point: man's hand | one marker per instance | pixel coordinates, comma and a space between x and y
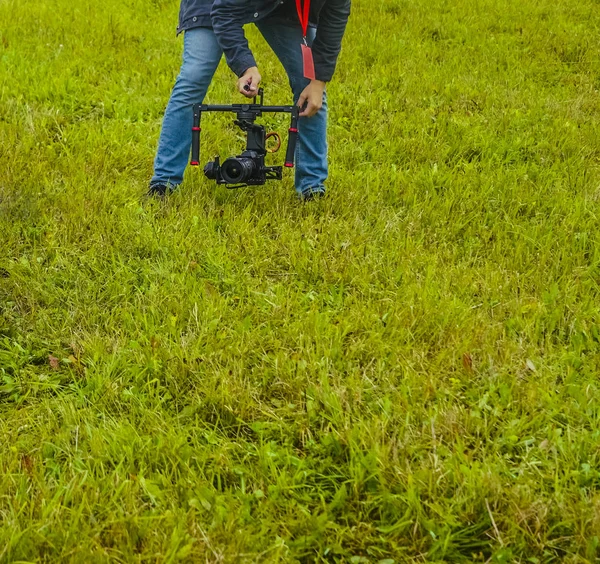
248, 84
312, 96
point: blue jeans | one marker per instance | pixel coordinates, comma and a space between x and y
201, 56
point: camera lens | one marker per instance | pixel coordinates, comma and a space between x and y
237, 170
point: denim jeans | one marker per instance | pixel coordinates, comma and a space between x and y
201, 56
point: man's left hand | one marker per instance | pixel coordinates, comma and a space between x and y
312, 96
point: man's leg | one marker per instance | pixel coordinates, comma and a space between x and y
201, 56
311, 150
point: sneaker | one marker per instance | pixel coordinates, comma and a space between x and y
312, 194
159, 191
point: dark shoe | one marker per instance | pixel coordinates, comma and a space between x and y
312, 194
158, 191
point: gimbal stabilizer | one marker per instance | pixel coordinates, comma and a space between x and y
247, 169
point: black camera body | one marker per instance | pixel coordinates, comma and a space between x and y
248, 168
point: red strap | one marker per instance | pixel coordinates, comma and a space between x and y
303, 14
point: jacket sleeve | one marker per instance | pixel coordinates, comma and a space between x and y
228, 18
328, 42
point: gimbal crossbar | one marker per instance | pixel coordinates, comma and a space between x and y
247, 169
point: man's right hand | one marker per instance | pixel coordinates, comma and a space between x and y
248, 83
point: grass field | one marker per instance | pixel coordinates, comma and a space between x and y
406, 371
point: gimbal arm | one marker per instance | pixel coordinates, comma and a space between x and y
246, 112
292, 138
196, 129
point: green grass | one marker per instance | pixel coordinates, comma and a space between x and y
406, 371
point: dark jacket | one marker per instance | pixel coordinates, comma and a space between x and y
228, 17
194, 13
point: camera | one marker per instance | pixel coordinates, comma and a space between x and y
248, 168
